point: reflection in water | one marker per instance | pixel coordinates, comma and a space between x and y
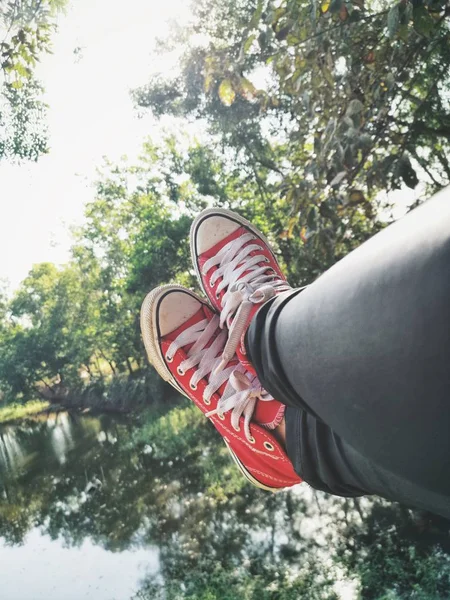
11, 454
62, 440
159, 501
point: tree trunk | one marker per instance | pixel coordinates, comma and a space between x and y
130, 368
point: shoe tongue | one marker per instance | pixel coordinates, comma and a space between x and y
241, 350
269, 414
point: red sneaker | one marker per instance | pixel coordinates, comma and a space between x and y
184, 342
237, 271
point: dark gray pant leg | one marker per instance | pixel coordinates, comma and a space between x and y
366, 347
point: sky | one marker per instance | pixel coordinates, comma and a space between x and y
91, 115
42, 567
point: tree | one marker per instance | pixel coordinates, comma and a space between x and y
48, 334
336, 100
76, 326
26, 27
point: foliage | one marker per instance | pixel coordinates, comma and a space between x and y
47, 320
16, 412
304, 164
336, 100
26, 27
69, 330
401, 551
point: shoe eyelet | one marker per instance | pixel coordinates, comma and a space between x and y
268, 446
217, 295
169, 358
267, 260
221, 416
192, 386
207, 401
212, 283
180, 371
236, 428
252, 440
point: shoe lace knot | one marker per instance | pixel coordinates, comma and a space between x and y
240, 396
249, 280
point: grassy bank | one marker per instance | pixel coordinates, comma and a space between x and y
118, 394
15, 412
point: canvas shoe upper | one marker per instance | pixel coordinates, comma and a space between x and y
238, 272
184, 342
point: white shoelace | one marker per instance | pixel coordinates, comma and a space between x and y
244, 291
242, 390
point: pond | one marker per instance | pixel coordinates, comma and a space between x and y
153, 508
50, 470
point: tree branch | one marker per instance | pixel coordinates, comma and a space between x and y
425, 168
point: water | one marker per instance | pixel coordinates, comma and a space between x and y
50, 472
154, 509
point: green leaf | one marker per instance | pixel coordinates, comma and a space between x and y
348, 156
328, 76
306, 97
406, 172
393, 20
208, 82
21, 70
356, 197
227, 94
407, 13
312, 218
365, 140
335, 6
256, 15
262, 40
355, 107
423, 22
313, 12
277, 14
390, 80
248, 43
339, 153
338, 178
403, 32
248, 90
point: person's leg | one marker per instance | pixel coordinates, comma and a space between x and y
366, 347
328, 463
